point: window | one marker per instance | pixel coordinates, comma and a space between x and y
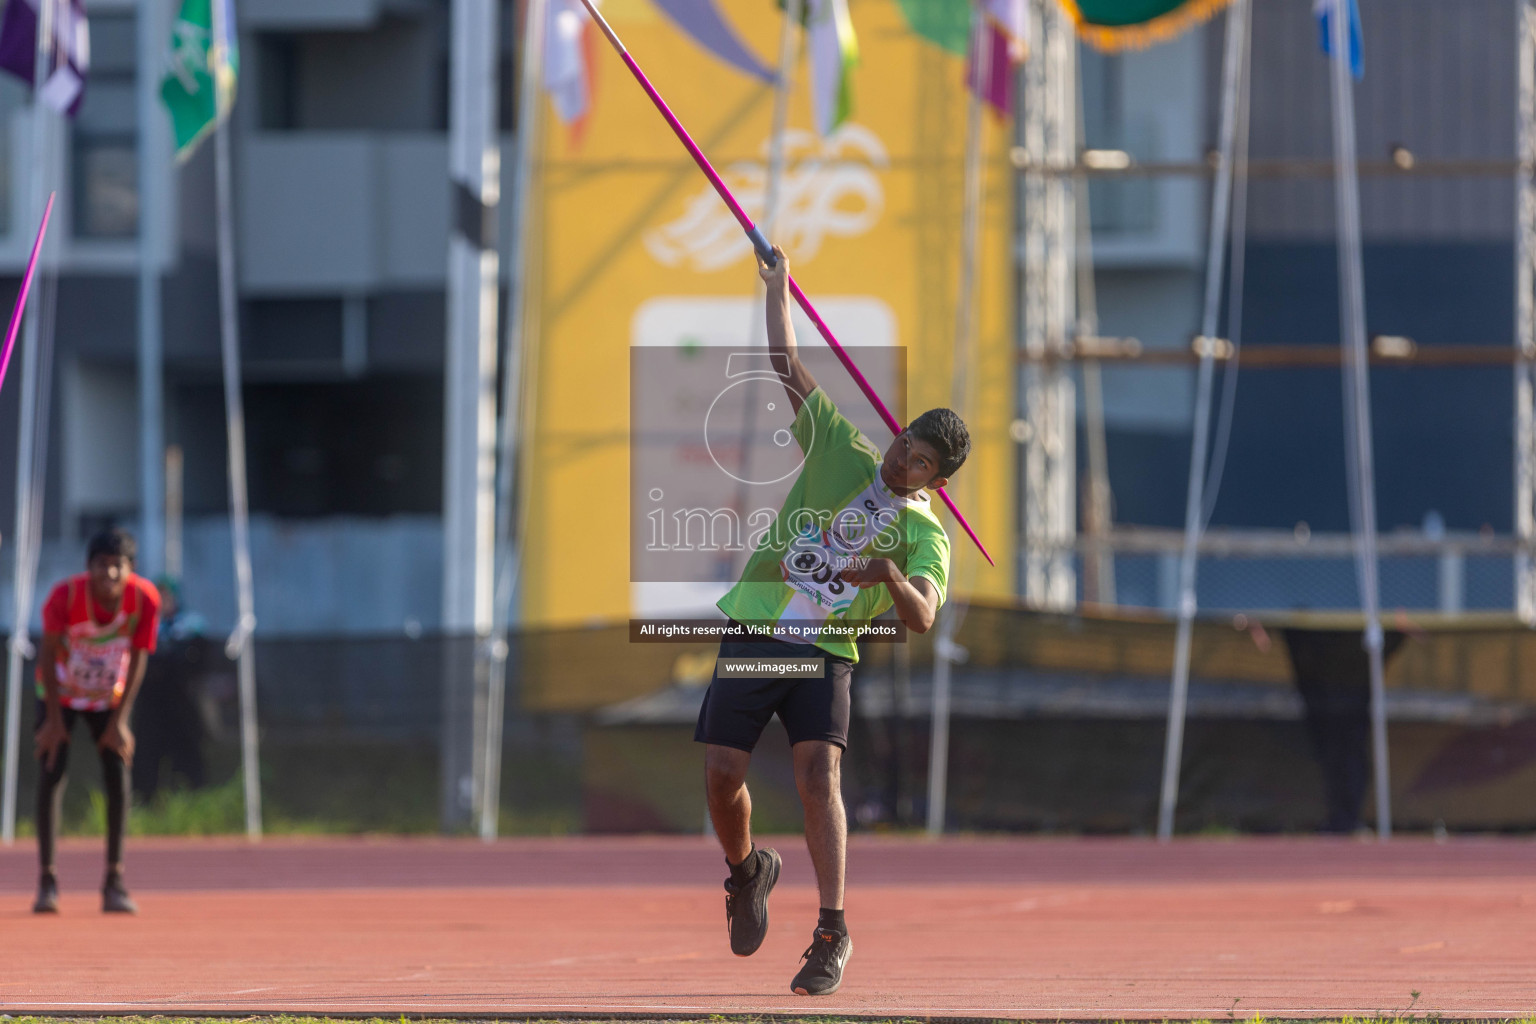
104, 138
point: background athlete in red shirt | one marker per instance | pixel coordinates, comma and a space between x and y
98, 631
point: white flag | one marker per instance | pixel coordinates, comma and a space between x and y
834, 51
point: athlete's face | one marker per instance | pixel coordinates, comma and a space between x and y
910, 465
109, 577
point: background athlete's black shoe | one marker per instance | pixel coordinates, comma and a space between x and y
746, 905
115, 898
47, 896
824, 963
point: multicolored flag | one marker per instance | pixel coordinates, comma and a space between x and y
1007, 39
1324, 11
1114, 25
568, 63
199, 87
834, 53
64, 87
702, 20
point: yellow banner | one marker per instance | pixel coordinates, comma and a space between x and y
633, 243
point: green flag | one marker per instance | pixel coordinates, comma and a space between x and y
197, 62
945, 23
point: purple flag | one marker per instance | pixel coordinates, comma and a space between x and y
997, 91
70, 60
704, 22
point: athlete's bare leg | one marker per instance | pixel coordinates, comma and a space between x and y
730, 806
818, 776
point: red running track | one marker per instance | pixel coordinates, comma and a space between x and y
994, 928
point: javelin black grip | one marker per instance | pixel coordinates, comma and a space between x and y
760, 243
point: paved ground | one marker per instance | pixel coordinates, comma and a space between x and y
962, 927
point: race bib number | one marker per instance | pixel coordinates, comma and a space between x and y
811, 566
95, 672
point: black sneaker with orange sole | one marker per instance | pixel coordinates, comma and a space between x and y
746, 905
824, 962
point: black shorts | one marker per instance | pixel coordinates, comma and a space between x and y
736, 708
96, 721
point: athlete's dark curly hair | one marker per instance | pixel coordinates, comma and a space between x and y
946, 431
114, 541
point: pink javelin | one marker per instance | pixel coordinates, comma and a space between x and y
760, 243
26, 285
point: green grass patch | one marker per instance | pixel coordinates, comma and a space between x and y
325, 789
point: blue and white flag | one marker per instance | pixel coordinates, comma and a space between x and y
1324, 10
69, 55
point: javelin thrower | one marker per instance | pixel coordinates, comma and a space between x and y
856, 536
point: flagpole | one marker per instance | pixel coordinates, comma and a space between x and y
25, 573
793, 15
764, 249
13, 681
946, 653
507, 546
152, 37
1235, 57
469, 388
1357, 390
241, 645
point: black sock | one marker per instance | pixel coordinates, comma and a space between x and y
744, 872
832, 921
114, 878
46, 876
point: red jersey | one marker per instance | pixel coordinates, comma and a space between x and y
95, 647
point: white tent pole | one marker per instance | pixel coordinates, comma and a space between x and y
25, 577
1221, 205
1357, 392
506, 545
945, 651
240, 645
152, 173
1525, 314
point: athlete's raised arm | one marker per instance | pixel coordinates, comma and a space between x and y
781, 333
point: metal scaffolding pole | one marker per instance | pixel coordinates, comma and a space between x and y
1047, 572
1235, 58
1098, 507
1525, 315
